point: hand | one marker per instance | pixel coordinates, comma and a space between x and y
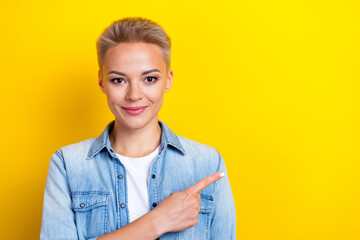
180, 210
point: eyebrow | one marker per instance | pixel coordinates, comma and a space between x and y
144, 73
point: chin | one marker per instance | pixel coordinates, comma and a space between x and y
135, 123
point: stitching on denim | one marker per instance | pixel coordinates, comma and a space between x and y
90, 193
117, 194
206, 196
208, 206
60, 154
155, 182
126, 197
104, 201
90, 149
218, 168
207, 225
105, 220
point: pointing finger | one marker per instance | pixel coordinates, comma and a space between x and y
205, 182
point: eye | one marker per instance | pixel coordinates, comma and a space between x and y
150, 79
117, 80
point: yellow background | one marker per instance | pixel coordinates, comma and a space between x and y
273, 85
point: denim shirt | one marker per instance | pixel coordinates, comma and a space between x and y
86, 191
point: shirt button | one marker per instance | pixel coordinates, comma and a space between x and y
153, 176
120, 176
154, 204
122, 205
111, 150
82, 205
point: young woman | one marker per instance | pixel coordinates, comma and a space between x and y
138, 179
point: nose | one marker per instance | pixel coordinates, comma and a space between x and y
133, 92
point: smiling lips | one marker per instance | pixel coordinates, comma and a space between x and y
134, 110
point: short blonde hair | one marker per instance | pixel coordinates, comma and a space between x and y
133, 29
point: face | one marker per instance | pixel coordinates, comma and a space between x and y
134, 79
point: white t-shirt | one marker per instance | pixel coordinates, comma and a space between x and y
137, 175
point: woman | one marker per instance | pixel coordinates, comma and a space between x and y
137, 180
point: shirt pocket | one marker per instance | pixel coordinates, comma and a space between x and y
201, 229
206, 202
91, 213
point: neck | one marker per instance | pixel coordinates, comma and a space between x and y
135, 142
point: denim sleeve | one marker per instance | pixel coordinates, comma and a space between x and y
223, 223
58, 220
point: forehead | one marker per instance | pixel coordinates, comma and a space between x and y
134, 55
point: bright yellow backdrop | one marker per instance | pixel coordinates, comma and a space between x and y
273, 85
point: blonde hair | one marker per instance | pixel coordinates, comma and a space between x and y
133, 29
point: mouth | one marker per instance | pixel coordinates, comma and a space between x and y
135, 110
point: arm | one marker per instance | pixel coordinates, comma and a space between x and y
58, 220
223, 223
175, 213
144, 228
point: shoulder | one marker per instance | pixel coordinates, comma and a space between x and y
78, 150
200, 152
191, 145
79, 146
71, 158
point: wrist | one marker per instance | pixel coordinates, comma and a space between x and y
156, 224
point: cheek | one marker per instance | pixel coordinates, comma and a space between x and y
156, 95
114, 96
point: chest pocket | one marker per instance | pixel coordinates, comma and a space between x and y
91, 213
206, 202
201, 229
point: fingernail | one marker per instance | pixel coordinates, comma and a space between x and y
222, 174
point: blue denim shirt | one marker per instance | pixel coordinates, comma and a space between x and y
86, 191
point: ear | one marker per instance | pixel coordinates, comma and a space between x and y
101, 82
169, 80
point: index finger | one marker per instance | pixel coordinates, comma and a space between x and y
196, 188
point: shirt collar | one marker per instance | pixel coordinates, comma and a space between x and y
168, 137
